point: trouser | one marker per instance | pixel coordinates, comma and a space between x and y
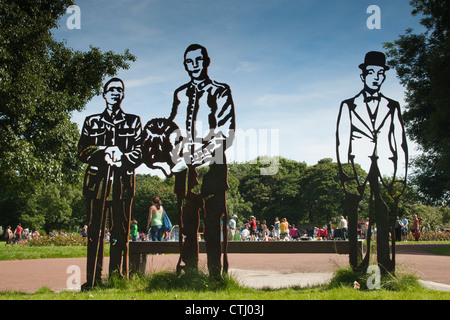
120, 216
119, 213
212, 203
215, 208
95, 241
345, 233
156, 233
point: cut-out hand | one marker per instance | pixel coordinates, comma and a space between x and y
113, 156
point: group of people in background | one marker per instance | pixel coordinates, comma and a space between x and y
402, 228
19, 234
280, 230
252, 230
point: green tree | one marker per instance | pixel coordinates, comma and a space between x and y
41, 83
421, 62
235, 201
55, 207
272, 195
148, 186
321, 192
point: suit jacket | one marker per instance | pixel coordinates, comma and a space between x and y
370, 132
101, 131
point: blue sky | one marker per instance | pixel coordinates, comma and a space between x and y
289, 63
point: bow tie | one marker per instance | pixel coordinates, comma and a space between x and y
368, 99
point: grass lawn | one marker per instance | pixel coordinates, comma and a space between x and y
170, 287
23, 252
167, 286
234, 294
445, 251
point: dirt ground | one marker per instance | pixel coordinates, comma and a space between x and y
58, 274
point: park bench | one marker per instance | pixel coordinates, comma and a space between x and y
140, 249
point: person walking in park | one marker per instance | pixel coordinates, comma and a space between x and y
284, 229
344, 227
276, 229
155, 220
134, 230
405, 227
18, 233
253, 228
9, 235
232, 227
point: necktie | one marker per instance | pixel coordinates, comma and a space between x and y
371, 98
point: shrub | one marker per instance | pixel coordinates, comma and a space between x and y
346, 277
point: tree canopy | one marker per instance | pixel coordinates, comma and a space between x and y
42, 81
421, 62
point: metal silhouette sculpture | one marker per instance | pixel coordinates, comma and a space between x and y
110, 144
370, 133
200, 128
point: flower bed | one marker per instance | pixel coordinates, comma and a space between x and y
58, 239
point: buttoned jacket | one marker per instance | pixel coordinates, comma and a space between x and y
99, 132
205, 114
370, 132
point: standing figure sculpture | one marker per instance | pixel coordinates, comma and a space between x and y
370, 133
110, 144
203, 109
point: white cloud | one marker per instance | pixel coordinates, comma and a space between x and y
247, 66
133, 83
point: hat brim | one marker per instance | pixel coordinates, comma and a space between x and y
362, 66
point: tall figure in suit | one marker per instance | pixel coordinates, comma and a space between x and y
203, 109
370, 133
110, 144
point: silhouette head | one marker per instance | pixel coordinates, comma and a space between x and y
196, 61
373, 70
114, 91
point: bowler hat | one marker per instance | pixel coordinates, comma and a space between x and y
374, 58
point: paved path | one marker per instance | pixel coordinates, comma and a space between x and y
255, 270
